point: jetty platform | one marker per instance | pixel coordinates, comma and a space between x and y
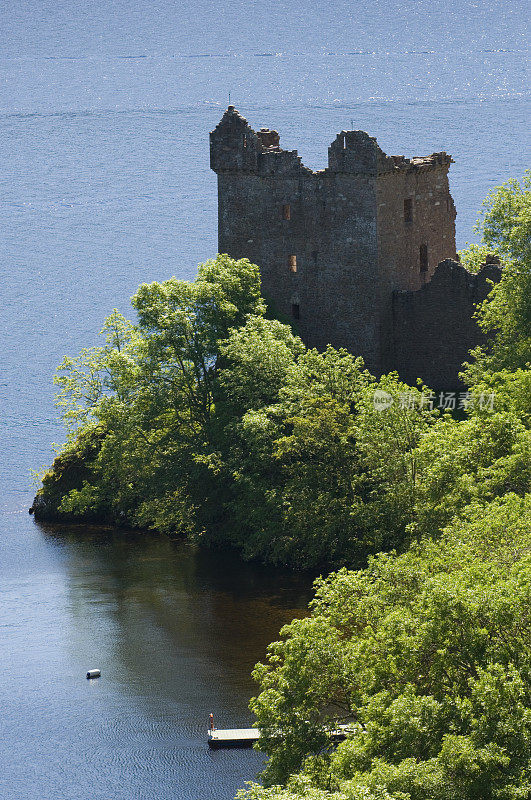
246, 737
233, 737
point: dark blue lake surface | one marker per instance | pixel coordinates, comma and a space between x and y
105, 110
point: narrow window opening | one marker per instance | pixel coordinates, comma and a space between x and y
286, 212
244, 140
423, 258
408, 211
293, 263
295, 311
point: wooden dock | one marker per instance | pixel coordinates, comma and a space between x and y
246, 737
233, 737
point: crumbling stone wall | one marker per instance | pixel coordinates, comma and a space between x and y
335, 245
319, 261
434, 328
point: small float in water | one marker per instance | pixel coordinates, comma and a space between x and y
93, 673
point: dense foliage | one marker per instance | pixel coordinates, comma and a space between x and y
428, 653
505, 228
206, 418
209, 419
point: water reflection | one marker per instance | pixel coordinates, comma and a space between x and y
175, 631
186, 622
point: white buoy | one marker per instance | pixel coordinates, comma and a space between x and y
93, 673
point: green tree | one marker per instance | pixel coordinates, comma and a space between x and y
150, 390
428, 654
256, 358
207, 418
319, 476
505, 228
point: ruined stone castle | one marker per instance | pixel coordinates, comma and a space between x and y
359, 254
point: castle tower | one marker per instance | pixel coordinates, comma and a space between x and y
333, 245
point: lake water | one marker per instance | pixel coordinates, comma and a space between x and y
105, 110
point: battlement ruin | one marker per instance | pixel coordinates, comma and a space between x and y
350, 252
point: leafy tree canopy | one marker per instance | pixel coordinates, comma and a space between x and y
208, 419
428, 655
505, 228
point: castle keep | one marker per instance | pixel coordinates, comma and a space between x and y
351, 252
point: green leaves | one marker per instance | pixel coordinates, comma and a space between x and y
208, 420
429, 653
255, 359
153, 387
98, 373
505, 227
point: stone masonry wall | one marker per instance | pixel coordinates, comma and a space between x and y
331, 233
429, 224
333, 245
434, 328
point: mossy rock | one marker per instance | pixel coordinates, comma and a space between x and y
69, 470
